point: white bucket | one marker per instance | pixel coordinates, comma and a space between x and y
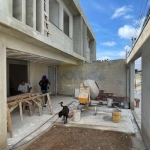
109, 102
76, 115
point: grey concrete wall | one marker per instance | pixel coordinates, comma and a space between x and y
92, 50
146, 94
36, 72
6, 6
3, 83
17, 9
54, 12
110, 76
78, 35
59, 38
39, 16
85, 40
29, 13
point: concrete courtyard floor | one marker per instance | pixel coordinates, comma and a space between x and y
100, 121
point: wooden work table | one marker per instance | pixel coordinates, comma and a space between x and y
32, 100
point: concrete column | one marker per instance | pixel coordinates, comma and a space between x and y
78, 35
92, 50
85, 40
3, 120
128, 81
132, 76
61, 16
145, 103
34, 14
24, 11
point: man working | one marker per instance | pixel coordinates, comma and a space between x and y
24, 87
44, 86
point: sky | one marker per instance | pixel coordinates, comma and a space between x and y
114, 22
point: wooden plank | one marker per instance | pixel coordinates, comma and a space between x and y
40, 109
9, 123
21, 114
13, 107
23, 108
50, 104
37, 104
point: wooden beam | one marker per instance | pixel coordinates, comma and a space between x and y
9, 123
50, 104
21, 114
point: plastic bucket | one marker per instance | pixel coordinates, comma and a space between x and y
109, 102
76, 115
126, 104
116, 116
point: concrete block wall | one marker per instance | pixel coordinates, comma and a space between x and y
110, 76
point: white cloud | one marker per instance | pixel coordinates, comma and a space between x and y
108, 43
128, 17
122, 11
138, 64
122, 54
127, 32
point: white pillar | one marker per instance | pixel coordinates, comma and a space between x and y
3, 120
132, 76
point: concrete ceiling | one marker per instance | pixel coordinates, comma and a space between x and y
13, 54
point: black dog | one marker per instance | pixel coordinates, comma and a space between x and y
64, 112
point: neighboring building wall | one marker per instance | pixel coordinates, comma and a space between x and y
146, 94
36, 72
110, 76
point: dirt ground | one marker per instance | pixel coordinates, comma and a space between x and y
65, 138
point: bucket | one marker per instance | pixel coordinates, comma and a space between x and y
109, 102
116, 116
76, 115
126, 104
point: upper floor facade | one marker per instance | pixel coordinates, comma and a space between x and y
60, 24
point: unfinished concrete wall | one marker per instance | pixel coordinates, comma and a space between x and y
78, 35
59, 38
17, 9
3, 120
29, 13
92, 50
36, 72
146, 94
110, 76
54, 12
39, 16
